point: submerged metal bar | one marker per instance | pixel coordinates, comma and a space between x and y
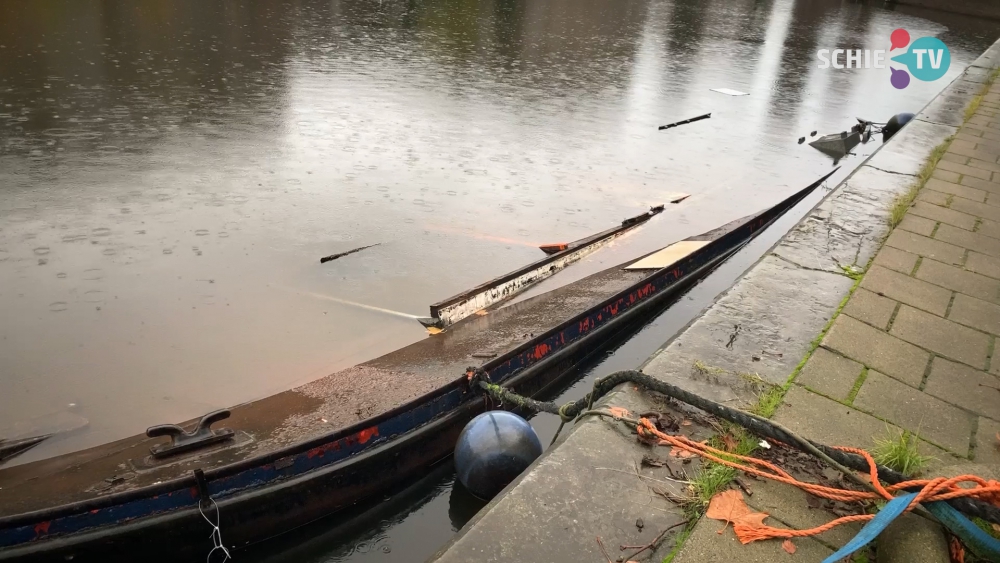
684, 122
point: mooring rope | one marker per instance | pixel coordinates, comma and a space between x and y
758, 425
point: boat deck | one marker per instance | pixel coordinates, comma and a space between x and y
312, 410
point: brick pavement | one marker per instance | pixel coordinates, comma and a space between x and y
914, 346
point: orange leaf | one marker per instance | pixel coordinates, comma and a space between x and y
788, 546
678, 452
618, 412
956, 551
730, 442
753, 520
728, 506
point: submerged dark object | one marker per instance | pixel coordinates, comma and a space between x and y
684, 122
894, 124
284, 475
492, 450
837, 144
614, 231
326, 259
11, 448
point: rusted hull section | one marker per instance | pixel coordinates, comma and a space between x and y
265, 495
458, 307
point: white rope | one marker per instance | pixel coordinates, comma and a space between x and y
216, 533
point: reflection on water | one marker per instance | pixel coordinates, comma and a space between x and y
171, 172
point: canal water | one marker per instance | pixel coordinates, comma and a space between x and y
172, 171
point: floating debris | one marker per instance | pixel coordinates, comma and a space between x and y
729, 92
326, 259
837, 144
684, 122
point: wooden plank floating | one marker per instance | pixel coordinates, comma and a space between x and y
667, 256
561, 255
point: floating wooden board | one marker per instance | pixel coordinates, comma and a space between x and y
729, 92
668, 255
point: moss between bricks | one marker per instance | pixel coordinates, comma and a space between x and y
974, 104
903, 201
901, 204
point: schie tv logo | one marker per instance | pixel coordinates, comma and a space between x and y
927, 58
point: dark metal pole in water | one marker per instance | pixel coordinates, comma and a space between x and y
326, 259
684, 122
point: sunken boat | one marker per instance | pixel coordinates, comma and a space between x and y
292, 458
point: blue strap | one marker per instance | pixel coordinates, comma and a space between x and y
874, 527
978, 541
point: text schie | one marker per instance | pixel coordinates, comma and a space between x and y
858, 58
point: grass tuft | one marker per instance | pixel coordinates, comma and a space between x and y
706, 369
768, 401
986, 527
681, 538
974, 104
899, 452
901, 204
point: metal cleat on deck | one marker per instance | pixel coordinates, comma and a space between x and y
182, 441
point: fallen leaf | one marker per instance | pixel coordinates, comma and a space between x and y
728, 506
956, 551
753, 520
685, 422
995, 526
653, 461
678, 452
788, 546
434, 330
618, 412
482, 312
730, 442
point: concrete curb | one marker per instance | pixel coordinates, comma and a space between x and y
585, 486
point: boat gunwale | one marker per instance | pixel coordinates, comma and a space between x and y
460, 384
572, 247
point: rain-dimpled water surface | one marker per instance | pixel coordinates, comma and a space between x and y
172, 171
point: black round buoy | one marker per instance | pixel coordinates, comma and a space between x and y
895, 124
493, 449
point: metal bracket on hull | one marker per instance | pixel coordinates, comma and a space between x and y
181, 441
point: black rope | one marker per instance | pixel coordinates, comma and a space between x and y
758, 425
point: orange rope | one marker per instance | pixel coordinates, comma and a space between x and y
932, 489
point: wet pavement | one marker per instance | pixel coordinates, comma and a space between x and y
170, 174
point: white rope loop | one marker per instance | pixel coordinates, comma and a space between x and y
216, 533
